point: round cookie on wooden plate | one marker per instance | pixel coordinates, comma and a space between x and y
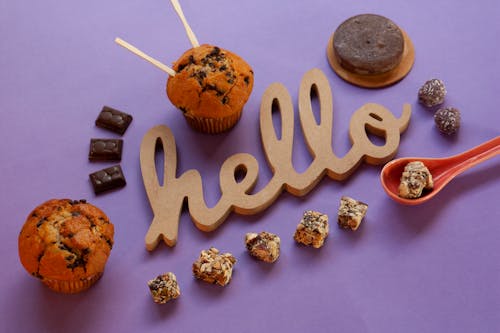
370, 51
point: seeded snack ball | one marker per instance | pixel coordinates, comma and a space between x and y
351, 212
447, 120
210, 87
312, 229
263, 246
432, 93
214, 267
415, 178
164, 288
66, 243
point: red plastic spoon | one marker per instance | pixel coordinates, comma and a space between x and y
443, 170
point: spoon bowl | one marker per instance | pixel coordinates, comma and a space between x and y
443, 170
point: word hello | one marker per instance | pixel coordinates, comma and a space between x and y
167, 200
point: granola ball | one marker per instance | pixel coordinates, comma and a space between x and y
432, 93
264, 246
312, 229
164, 288
214, 267
447, 120
415, 178
350, 213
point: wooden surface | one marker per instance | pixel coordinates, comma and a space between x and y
378, 80
167, 199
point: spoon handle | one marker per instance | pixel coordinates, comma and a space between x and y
474, 156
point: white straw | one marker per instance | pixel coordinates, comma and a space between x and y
191, 36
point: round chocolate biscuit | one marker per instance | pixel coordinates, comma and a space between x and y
368, 44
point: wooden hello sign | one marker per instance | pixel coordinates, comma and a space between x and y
167, 200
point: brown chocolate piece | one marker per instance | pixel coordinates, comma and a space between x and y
368, 44
113, 120
105, 149
107, 179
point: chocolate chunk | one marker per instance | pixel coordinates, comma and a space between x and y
113, 120
105, 149
215, 51
107, 179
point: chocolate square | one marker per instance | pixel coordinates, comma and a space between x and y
105, 149
113, 120
107, 179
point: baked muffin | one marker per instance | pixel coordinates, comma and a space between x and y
210, 87
66, 244
368, 44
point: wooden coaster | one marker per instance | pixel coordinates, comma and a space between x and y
379, 80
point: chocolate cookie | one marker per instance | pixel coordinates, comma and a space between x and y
368, 44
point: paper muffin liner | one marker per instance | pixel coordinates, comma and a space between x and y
72, 286
213, 125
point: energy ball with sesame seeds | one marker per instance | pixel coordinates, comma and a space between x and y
447, 120
312, 229
432, 93
66, 243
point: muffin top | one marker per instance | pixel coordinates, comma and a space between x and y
64, 239
210, 82
368, 44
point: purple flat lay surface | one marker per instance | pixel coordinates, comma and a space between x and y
429, 268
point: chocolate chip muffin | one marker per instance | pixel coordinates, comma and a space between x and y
368, 44
66, 244
210, 87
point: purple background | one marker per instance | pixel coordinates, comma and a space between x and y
433, 268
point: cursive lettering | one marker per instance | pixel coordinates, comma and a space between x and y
167, 200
